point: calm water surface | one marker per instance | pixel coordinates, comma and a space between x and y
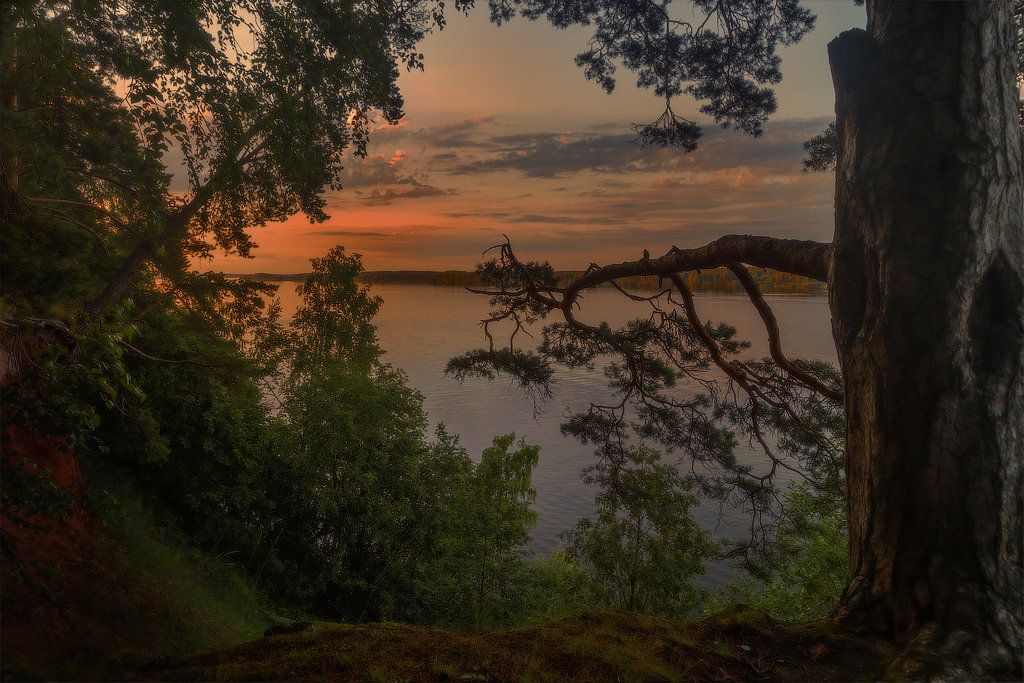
422, 326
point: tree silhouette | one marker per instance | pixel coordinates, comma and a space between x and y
926, 289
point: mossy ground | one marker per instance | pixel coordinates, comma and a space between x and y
738, 644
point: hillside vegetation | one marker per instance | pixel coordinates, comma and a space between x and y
290, 472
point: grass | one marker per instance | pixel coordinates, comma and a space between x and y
200, 602
738, 644
119, 594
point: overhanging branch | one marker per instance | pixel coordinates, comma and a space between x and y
797, 257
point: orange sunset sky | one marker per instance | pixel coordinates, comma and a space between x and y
504, 135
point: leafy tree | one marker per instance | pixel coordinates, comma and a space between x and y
330, 503
350, 443
926, 288
555, 587
253, 103
642, 548
55, 408
198, 442
497, 519
333, 322
804, 576
478, 575
346, 523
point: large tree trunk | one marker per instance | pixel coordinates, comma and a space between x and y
927, 295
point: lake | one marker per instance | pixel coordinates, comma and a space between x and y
422, 326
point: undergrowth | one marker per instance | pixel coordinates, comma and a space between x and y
127, 592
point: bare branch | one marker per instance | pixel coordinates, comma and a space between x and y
798, 257
107, 179
67, 202
774, 340
734, 369
79, 224
142, 354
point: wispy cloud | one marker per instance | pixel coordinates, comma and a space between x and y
557, 155
437, 197
415, 191
347, 233
459, 134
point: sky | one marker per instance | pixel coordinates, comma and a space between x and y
503, 135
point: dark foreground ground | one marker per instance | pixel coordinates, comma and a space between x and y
737, 645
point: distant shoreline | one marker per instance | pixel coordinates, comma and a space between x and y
713, 280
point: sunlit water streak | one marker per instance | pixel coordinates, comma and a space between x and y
422, 326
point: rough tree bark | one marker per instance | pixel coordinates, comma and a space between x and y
927, 296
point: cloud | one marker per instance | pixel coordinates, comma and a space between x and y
555, 155
535, 218
459, 134
347, 233
471, 147
475, 214
386, 174
552, 155
611, 200
415, 191
454, 135
375, 169
507, 217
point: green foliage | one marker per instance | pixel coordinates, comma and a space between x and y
496, 519
85, 362
206, 603
808, 567
555, 587
335, 503
476, 576
664, 371
530, 371
68, 378
333, 321
345, 526
822, 150
254, 104
642, 548
78, 184
672, 56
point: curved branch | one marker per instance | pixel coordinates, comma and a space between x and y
142, 354
79, 224
774, 339
734, 369
798, 257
